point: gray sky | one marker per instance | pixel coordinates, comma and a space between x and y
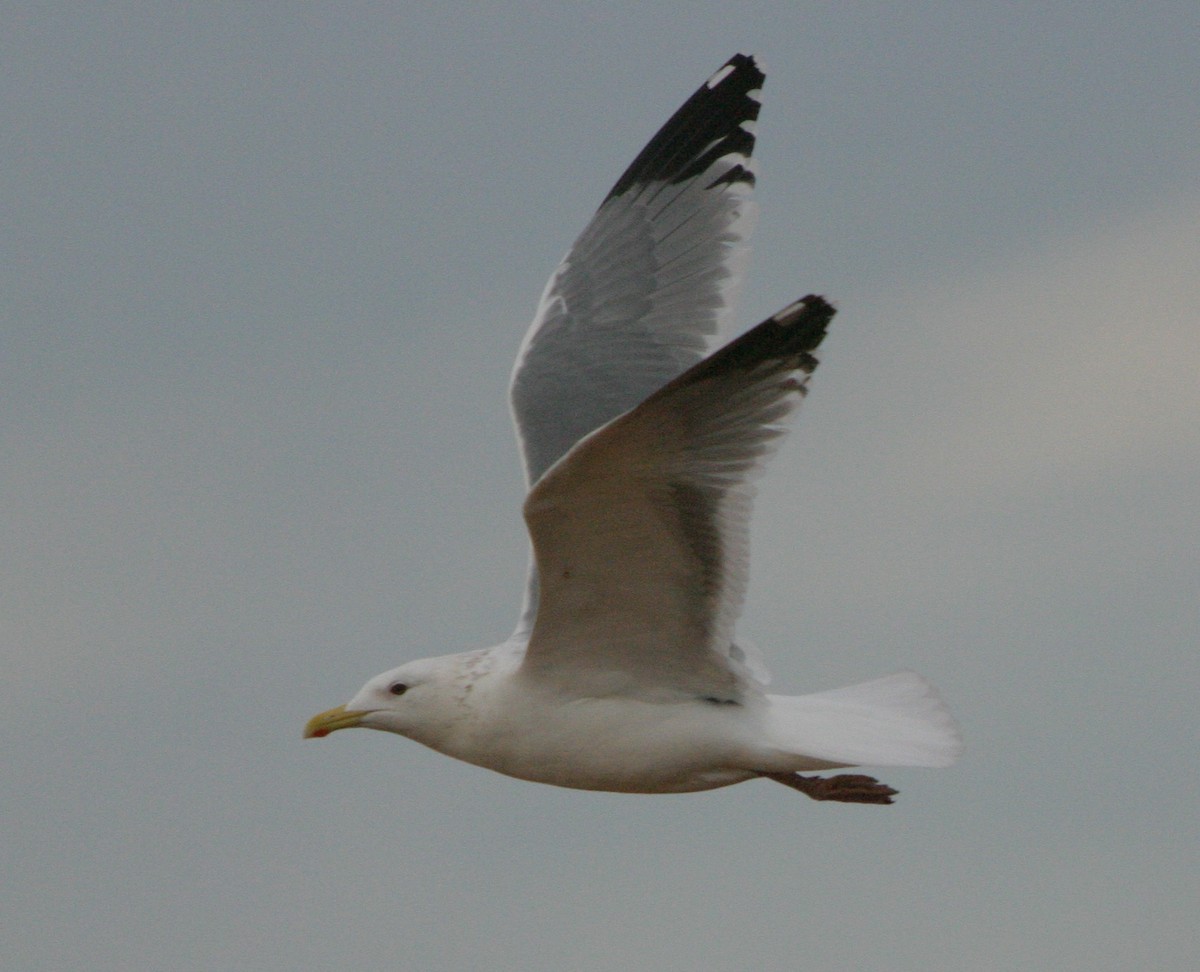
265, 269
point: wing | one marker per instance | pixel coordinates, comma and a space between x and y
649, 280
640, 533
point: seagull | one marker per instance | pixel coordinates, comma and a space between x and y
640, 449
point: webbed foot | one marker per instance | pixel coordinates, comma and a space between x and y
847, 788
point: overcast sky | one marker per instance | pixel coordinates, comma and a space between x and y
265, 268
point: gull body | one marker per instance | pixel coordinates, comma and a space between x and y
482, 708
624, 672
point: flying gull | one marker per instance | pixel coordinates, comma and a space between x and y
624, 672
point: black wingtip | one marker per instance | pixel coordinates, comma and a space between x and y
789, 336
739, 62
711, 124
813, 307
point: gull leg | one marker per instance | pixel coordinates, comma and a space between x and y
847, 788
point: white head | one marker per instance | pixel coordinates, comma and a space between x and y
415, 700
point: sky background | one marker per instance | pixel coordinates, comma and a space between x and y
265, 268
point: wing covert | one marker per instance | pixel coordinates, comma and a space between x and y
640, 532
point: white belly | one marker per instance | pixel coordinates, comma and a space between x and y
612, 743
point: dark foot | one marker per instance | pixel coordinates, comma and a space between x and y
845, 789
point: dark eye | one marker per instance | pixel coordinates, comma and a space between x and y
397, 688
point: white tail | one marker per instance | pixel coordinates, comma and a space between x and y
897, 720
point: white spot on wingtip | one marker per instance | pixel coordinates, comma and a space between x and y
720, 76
792, 310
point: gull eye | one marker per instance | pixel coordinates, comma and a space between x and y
397, 688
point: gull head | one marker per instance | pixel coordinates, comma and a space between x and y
411, 700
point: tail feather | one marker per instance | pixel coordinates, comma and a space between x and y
897, 720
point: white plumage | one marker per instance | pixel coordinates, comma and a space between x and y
624, 672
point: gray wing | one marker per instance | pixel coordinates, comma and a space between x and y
640, 532
648, 282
